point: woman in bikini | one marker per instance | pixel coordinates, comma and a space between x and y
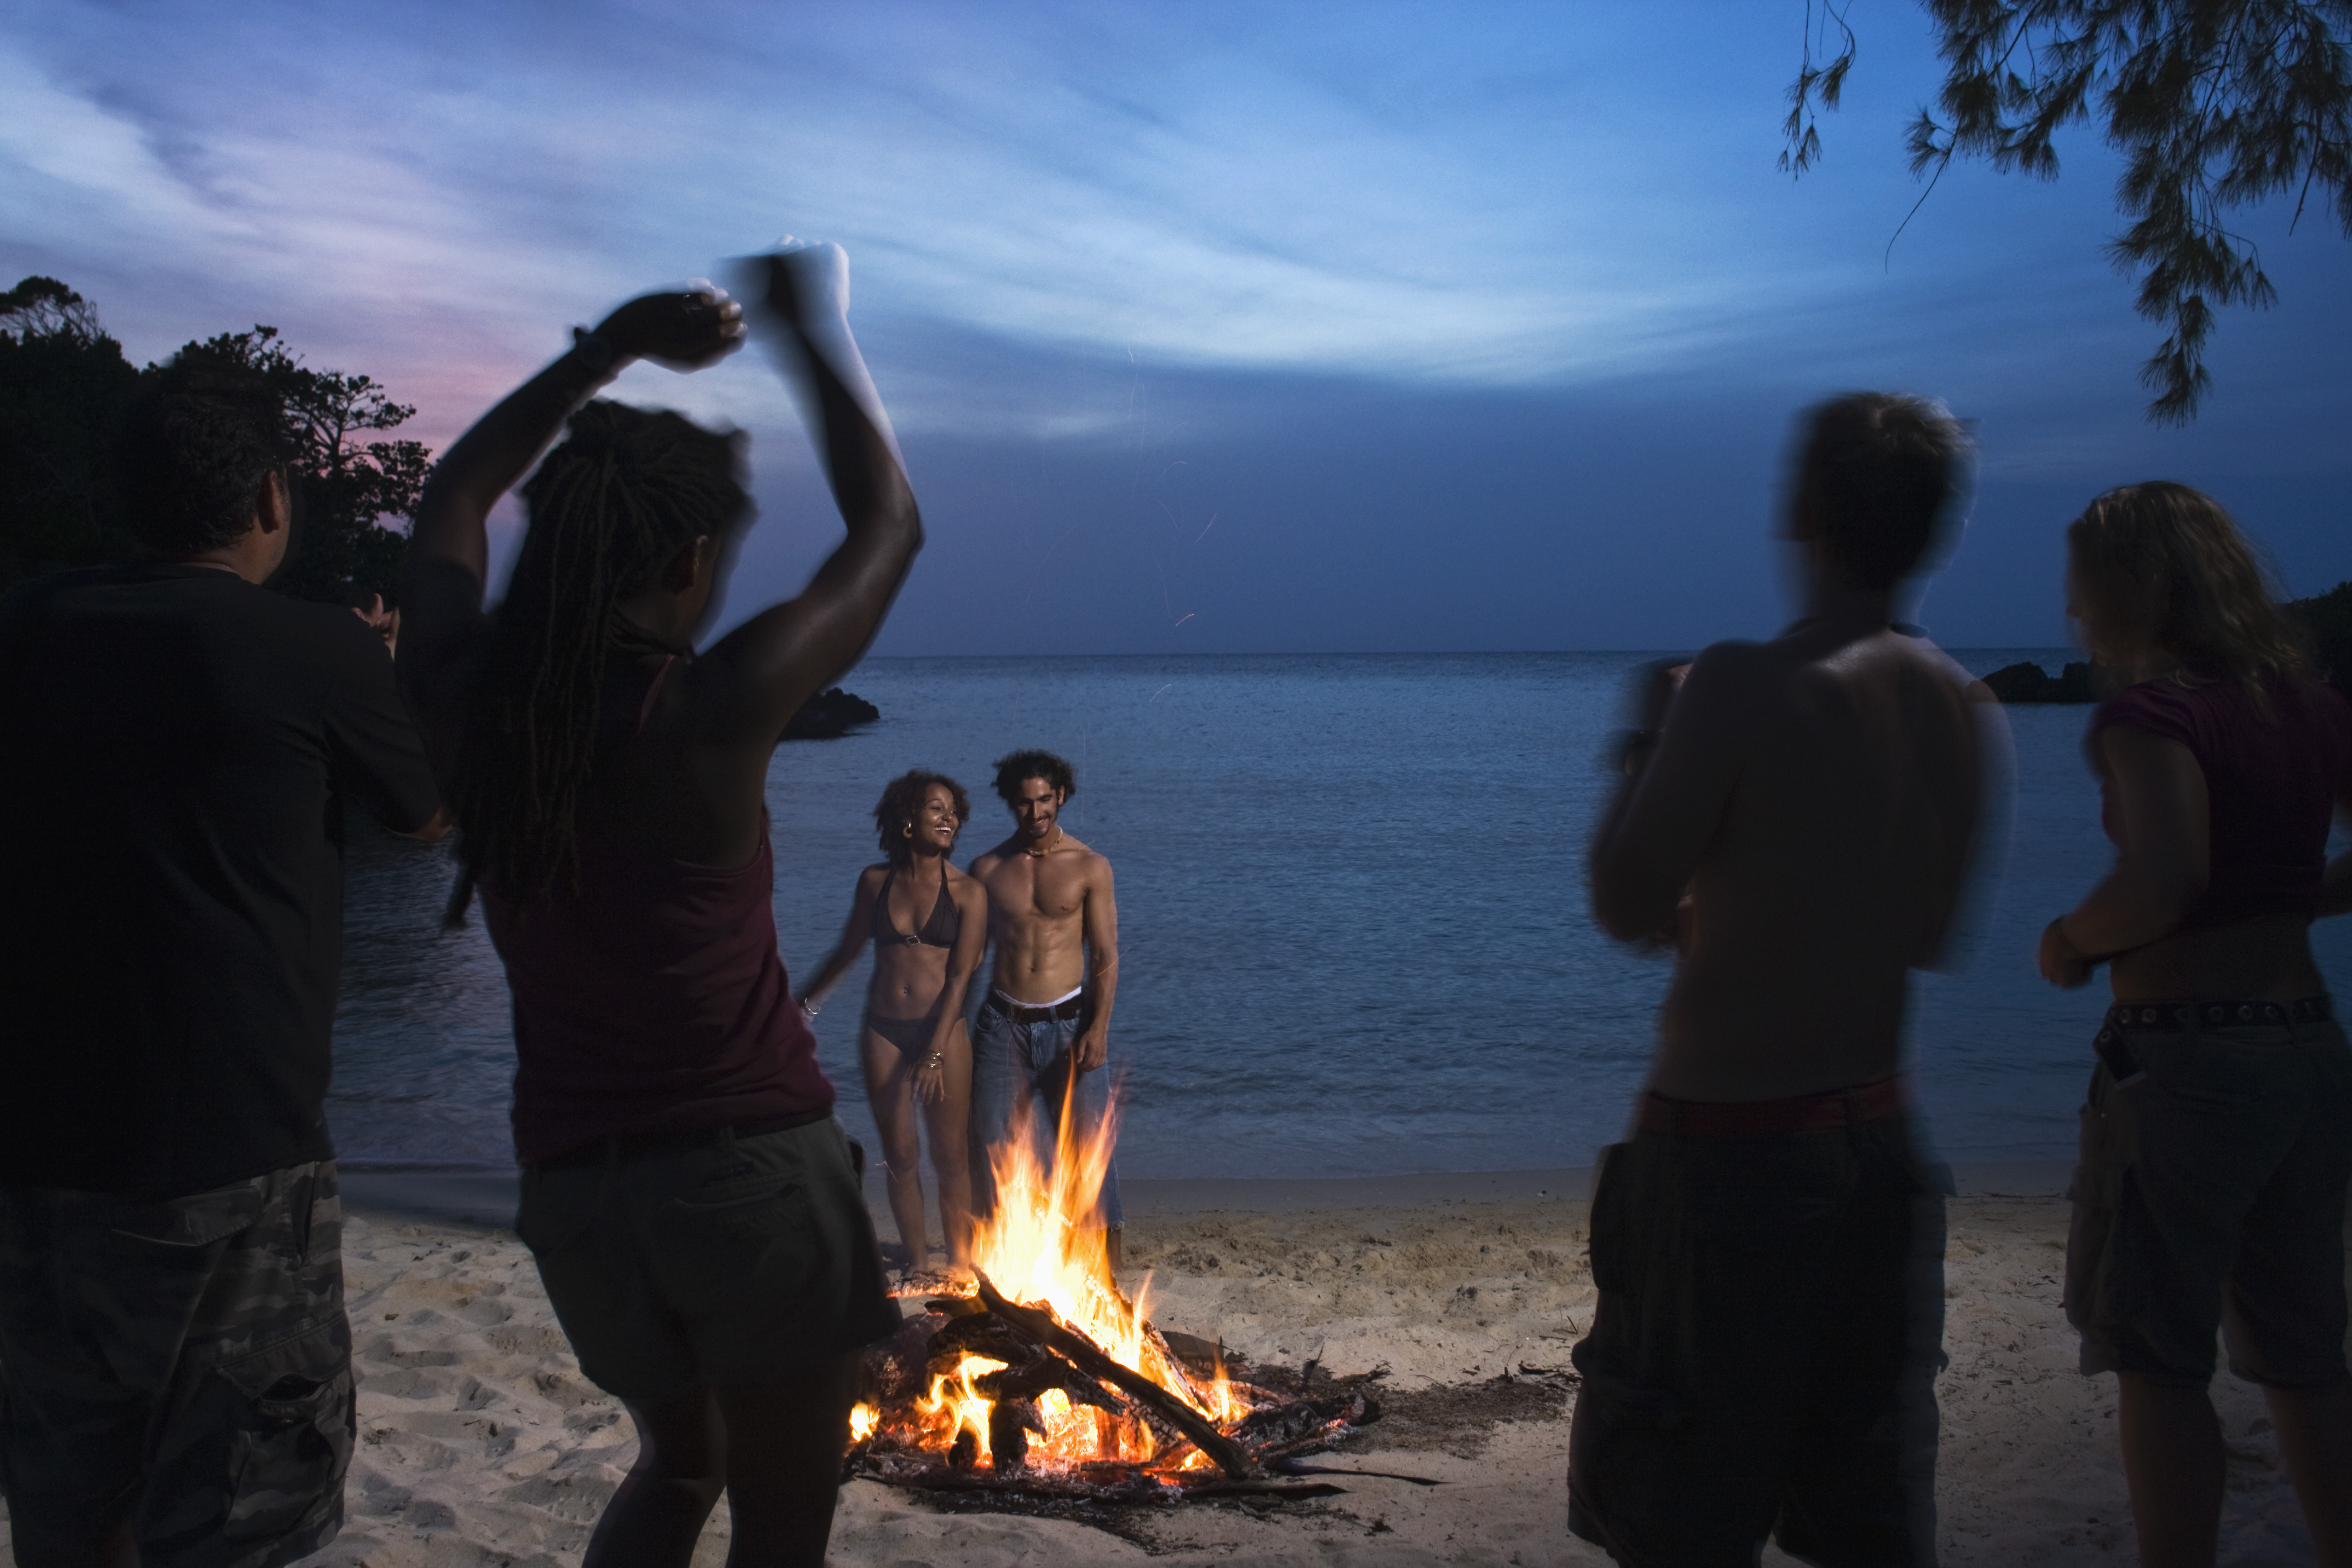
692, 1205
929, 924
2218, 1137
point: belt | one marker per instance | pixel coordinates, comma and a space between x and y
2177, 1017
1762, 1118
638, 1146
1021, 1014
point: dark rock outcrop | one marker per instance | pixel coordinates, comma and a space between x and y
2028, 682
2328, 618
829, 715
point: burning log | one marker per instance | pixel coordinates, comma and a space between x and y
1057, 1388
1043, 1328
1010, 1422
1047, 1373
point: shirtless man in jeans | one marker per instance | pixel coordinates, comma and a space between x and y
1043, 1033
1797, 818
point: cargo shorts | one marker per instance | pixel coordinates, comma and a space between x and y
1763, 1354
723, 1260
2215, 1148
179, 1366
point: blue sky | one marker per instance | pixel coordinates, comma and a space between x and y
1207, 328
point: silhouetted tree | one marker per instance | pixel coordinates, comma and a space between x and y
63, 382
342, 553
2214, 104
2329, 618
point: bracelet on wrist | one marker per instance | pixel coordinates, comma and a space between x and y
936, 1060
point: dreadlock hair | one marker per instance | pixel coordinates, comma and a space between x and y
1015, 766
608, 509
2169, 567
902, 804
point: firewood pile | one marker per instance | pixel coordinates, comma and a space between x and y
962, 1398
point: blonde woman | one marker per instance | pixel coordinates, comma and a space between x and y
929, 924
2217, 1142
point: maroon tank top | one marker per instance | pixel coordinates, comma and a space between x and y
653, 1001
2272, 771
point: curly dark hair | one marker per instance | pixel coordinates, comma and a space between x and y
902, 800
1033, 765
609, 507
201, 436
1878, 473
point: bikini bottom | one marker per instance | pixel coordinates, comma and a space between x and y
907, 1033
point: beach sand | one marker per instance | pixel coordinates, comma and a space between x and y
481, 1444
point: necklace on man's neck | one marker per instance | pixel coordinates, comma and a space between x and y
1042, 851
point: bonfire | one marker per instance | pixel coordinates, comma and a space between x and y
1038, 1375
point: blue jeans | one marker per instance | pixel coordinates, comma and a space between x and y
1023, 1070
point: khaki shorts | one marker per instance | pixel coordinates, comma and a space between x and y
733, 1261
181, 1366
2215, 1152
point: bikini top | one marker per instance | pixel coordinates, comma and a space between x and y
945, 924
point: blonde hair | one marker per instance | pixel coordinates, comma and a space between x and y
2169, 563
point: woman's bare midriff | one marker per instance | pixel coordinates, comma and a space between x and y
2263, 958
907, 981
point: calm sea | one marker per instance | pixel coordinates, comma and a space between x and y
1352, 918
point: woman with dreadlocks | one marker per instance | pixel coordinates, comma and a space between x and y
694, 1208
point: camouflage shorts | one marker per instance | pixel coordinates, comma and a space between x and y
180, 1368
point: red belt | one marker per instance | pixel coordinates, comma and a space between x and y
1759, 1118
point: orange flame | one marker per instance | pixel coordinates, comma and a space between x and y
1044, 1244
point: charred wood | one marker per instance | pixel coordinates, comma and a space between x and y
1010, 1422
1042, 1327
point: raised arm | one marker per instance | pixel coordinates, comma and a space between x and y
752, 683
1101, 924
448, 548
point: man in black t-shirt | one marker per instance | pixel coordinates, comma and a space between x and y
177, 746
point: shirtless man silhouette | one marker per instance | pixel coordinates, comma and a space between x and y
1043, 1033
1797, 819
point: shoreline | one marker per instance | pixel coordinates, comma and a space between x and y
481, 1443
487, 1199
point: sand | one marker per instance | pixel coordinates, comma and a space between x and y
480, 1444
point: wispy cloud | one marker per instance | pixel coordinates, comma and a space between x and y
1423, 201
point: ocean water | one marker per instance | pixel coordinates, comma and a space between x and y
1354, 936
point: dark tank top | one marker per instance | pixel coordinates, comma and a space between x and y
2273, 771
652, 1002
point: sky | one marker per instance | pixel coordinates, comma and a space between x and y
1206, 328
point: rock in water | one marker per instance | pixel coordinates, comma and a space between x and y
829, 715
2028, 682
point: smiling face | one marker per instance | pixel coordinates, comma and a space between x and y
936, 823
1037, 806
